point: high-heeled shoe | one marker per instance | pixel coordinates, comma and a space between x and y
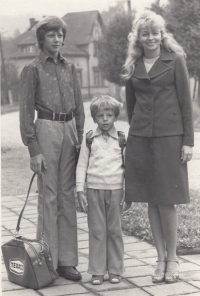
159, 275
172, 276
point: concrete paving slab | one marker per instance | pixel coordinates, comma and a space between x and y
8, 286
82, 260
63, 290
171, 289
135, 271
192, 258
132, 262
187, 266
130, 239
142, 281
191, 275
143, 253
26, 292
83, 244
83, 237
127, 292
195, 283
137, 246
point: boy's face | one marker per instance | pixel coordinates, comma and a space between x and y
105, 119
52, 42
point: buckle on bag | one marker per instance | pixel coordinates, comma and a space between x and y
64, 115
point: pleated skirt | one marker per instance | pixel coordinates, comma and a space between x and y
153, 171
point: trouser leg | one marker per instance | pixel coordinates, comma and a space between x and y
97, 232
50, 143
67, 222
115, 245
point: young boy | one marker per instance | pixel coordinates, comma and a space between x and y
50, 86
103, 167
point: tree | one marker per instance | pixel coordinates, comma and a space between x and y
183, 18
113, 47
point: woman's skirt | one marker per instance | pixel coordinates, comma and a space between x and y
153, 171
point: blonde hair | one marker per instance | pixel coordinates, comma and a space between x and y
135, 49
104, 102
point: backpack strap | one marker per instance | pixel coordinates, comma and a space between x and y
89, 140
122, 144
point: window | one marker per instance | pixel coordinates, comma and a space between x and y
99, 79
95, 49
96, 76
28, 48
79, 75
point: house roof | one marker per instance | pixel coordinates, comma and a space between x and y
80, 25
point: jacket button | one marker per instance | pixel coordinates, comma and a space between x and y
149, 121
174, 113
149, 108
149, 96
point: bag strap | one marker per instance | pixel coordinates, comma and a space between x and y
43, 199
89, 140
122, 144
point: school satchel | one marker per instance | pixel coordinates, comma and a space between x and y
28, 262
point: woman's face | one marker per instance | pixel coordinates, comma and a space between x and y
150, 39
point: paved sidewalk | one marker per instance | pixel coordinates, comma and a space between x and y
139, 262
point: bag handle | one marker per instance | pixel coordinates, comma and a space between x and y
43, 198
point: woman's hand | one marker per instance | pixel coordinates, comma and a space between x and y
186, 154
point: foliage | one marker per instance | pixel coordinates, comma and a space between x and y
12, 82
183, 19
113, 46
136, 223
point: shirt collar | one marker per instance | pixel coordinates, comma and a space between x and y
43, 57
112, 132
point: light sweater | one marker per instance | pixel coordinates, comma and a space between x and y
149, 63
102, 169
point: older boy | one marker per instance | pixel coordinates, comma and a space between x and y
50, 86
102, 162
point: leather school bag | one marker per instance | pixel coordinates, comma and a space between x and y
28, 261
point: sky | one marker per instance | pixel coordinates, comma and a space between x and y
15, 14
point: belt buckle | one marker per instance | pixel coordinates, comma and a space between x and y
59, 117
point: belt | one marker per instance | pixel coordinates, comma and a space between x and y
60, 117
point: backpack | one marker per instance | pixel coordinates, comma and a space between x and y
121, 140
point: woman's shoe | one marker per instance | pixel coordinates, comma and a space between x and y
97, 279
172, 276
159, 275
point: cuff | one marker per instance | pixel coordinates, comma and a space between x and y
34, 149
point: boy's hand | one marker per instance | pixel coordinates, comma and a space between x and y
126, 206
82, 200
37, 163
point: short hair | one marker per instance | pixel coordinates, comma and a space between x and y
104, 102
49, 23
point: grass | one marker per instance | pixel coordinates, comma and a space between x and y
135, 222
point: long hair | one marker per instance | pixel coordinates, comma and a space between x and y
135, 49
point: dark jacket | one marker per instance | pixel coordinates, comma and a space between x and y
159, 102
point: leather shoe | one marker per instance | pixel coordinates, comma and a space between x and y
69, 273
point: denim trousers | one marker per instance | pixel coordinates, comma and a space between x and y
57, 144
106, 248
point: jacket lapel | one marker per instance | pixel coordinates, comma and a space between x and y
161, 66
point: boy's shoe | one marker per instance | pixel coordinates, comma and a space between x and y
97, 279
114, 278
69, 273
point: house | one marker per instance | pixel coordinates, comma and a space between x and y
84, 30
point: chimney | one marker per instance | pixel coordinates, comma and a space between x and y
32, 21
